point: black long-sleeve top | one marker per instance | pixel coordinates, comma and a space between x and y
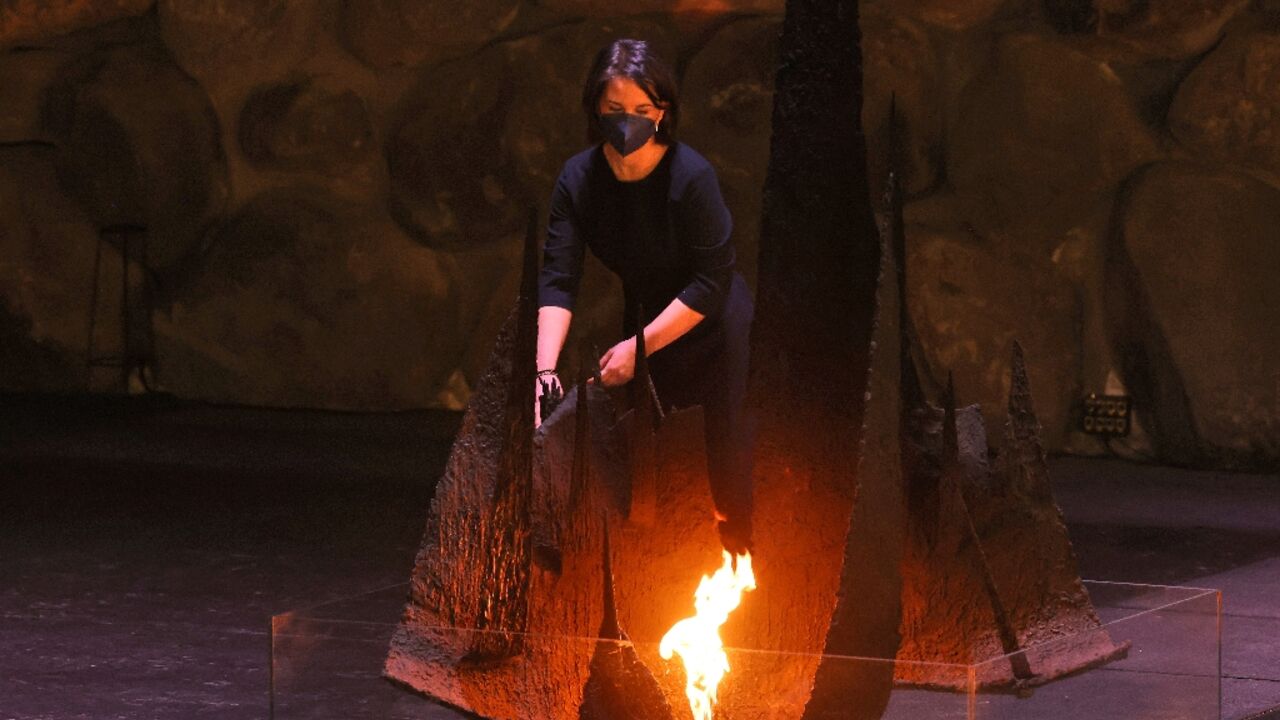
667, 235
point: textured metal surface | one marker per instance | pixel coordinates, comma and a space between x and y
820, 260
989, 567
865, 620
620, 687
476, 602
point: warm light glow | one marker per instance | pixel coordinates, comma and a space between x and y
697, 639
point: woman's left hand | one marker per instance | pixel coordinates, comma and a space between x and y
618, 364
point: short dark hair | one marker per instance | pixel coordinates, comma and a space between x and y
633, 59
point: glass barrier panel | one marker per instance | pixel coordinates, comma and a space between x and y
329, 661
1168, 668
326, 662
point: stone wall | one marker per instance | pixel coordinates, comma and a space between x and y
334, 190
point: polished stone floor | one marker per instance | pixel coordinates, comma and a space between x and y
144, 545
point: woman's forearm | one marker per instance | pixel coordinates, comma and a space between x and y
553, 328
674, 321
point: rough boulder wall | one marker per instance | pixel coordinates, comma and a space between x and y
1195, 338
26, 22
138, 143
42, 324
99, 127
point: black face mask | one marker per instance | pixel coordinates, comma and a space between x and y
626, 132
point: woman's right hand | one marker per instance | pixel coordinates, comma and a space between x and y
544, 383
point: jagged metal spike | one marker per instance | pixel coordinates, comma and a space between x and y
518, 443
921, 475
505, 591
893, 192
645, 421
529, 270
1024, 462
527, 337
644, 395
921, 484
1019, 385
895, 143
609, 628
912, 390
517, 450
594, 364
953, 476
909, 377
579, 473
619, 687
912, 394
880, 458
641, 373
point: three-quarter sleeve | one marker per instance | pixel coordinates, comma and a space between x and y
563, 253
708, 229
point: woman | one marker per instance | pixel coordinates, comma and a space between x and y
650, 209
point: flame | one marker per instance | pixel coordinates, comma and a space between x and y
697, 639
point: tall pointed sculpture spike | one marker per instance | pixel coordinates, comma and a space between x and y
644, 395
520, 386
593, 363
895, 144
921, 486
912, 390
609, 628
517, 452
504, 592
911, 393
857, 612
644, 423
820, 258
529, 268
1019, 384
579, 473
1024, 467
642, 354
893, 188
620, 686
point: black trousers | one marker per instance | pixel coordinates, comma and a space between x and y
708, 367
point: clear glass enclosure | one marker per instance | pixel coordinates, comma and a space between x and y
327, 662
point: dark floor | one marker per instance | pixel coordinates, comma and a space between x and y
145, 543
1141, 523
144, 547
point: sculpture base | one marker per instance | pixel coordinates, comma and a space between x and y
328, 661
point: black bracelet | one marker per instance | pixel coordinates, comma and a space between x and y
548, 371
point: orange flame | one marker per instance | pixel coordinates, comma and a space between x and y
697, 639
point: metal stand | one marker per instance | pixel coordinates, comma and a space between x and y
136, 343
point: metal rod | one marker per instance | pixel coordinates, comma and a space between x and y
951, 449
126, 352
93, 313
